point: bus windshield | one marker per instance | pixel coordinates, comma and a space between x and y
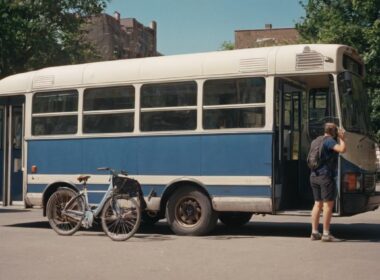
354, 103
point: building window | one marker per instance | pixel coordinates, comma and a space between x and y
234, 103
55, 113
109, 110
168, 107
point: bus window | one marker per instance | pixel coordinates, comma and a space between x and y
354, 104
352, 65
109, 110
168, 107
234, 103
46, 121
319, 110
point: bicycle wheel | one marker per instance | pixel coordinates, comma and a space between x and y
69, 223
121, 217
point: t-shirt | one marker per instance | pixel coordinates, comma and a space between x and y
329, 157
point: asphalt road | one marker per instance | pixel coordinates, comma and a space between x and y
270, 247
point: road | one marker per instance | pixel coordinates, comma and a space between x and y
270, 247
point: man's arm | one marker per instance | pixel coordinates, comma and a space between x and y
341, 147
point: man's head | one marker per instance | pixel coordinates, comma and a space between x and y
331, 129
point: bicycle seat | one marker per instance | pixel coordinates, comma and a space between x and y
83, 178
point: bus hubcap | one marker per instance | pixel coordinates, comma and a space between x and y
188, 212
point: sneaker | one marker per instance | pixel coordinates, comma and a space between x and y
330, 238
315, 236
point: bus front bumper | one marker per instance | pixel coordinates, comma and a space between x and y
358, 203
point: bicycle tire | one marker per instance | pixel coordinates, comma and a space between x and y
60, 223
121, 217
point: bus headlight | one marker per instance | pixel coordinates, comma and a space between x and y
352, 182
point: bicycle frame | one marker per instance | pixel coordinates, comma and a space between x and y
94, 212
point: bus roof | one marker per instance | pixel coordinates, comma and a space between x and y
278, 60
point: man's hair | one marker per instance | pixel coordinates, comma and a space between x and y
331, 129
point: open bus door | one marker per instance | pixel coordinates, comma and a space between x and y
11, 149
303, 105
292, 190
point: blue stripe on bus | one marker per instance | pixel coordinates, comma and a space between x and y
214, 191
207, 155
263, 191
159, 189
258, 191
95, 198
36, 188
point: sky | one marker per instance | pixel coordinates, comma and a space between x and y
190, 26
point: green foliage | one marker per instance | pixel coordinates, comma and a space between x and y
227, 46
351, 22
39, 33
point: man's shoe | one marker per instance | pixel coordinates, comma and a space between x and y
315, 236
330, 238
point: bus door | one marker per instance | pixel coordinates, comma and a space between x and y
288, 131
2, 153
11, 151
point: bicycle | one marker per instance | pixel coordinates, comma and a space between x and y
119, 210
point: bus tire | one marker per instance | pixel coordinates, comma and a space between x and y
235, 219
189, 212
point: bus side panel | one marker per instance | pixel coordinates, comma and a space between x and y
227, 165
238, 155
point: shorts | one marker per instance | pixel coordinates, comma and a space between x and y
323, 187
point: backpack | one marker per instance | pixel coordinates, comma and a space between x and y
314, 157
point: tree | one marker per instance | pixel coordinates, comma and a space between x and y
351, 22
40, 33
227, 46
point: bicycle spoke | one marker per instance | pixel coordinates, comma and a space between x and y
62, 222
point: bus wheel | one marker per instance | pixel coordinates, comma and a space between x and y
235, 219
189, 212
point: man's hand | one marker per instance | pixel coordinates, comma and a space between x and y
341, 133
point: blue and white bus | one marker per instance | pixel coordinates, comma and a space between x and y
210, 135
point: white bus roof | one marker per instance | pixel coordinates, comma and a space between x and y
278, 60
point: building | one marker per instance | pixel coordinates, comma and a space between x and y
265, 37
116, 38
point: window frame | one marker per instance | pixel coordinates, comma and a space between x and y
109, 111
235, 105
168, 109
55, 114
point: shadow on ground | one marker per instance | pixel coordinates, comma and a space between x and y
358, 232
5, 210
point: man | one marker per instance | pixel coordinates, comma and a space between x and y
322, 181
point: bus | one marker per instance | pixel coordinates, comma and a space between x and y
219, 135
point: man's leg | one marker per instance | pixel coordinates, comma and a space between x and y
317, 208
315, 214
328, 207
